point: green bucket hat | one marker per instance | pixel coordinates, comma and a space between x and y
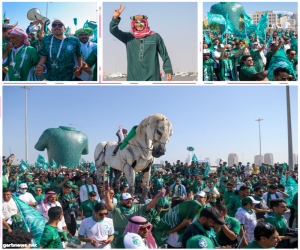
75, 187
200, 242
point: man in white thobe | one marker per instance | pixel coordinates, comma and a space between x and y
86, 189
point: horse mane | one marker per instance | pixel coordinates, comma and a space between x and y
145, 122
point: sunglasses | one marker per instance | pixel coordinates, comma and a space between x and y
144, 228
102, 214
38, 190
284, 78
60, 25
292, 54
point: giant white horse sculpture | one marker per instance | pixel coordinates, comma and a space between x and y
150, 140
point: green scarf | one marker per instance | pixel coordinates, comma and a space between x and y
228, 67
258, 197
250, 211
269, 198
209, 234
178, 190
87, 188
127, 211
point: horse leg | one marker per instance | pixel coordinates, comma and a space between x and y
117, 180
146, 187
130, 175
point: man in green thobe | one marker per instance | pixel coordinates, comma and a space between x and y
142, 46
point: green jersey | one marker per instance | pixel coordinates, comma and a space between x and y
164, 203
246, 72
208, 70
158, 183
39, 198
4, 42
50, 238
234, 204
21, 64
63, 71
258, 63
233, 225
88, 207
142, 54
227, 197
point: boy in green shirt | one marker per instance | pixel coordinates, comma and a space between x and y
86, 208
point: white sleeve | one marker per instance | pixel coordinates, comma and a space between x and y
265, 196
4, 60
280, 195
31, 198
111, 229
120, 133
81, 194
97, 195
82, 229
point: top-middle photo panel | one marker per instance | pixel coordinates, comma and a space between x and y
150, 41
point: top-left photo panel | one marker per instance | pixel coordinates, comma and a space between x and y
49, 42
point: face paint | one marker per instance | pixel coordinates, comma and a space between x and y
140, 23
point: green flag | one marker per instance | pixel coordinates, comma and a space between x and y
54, 165
207, 169
41, 159
207, 38
262, 25
3, 17
291, 189
230, 29
214, 18
282, 179
86, 24
25, 165
194, 159
33, 221
67, 30
75, 21
83, 160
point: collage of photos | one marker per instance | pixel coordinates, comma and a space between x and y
161, 137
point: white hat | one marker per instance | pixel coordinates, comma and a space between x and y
205, 51
23, 185
133, 241
248, 198
57, 20
126, 196
202, 194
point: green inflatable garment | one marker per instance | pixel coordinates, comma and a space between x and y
235, 11
173, 218
64, 145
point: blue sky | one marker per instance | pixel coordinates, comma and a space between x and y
251, 7
65, 11
215, 120
176, 23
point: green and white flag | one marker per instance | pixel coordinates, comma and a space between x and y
207, 169
194, 159
261, 26
230, 29
3, 17
282, 179
41, 160
207, 38
215, 18
54, 165
280, 60
25, 165
83, 160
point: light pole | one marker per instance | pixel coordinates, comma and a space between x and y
76, 125
26, 131
259, 120
289, 127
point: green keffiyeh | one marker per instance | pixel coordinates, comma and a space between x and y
86, 30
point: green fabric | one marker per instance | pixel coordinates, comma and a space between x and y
246, 72
234, 225
237, 59
118, 197
88, 190
227, 67
92, 60
31, 189
89, 31
88, 207
31, 60
4, 182
178, 190
36, 45
130, 135
54, 188
65, 145
13, 185
4, 42
254, 245
164, 203
17, 222
50, 238
227, 197
234, 204
142, 57
208, 70
65, 62
208, 234
173, 218
80, 183
258, 63
127, 211
39, 198
158, 183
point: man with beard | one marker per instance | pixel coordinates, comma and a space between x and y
142, 46
209, 218
247, 69
261, 208
57, 53
236, 201
274, 193
121, 213
276, 218
19, 57
87, 48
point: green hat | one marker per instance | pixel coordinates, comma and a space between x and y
29, 176
60, 177
250, 199
225, 178
89, 31
75, 187
130, 241
14, 175
200, 241
69, 182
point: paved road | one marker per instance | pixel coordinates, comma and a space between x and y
176, 79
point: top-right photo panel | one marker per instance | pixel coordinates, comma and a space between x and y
250, 41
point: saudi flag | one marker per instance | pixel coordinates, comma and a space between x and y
207, 38
83, 160
3, 17
291, 189
282, 179
54, 164
207, 169
174, 218
33, 221
230, 29
280, 60
261, 26
214, 18
25, 165
250, 26
41, 159
194, 159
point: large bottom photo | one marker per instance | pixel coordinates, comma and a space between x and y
150, 167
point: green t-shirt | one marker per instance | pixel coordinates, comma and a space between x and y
92, 60
39, 198
246, 72
121, 220
234, 225
258, 63
26, 72
80, 183
31, 189
158, 183
234, 204
254, 245
47, 237
88, 207
65, 62
165, 203
64, 145
54, 188
227, 196
208, 70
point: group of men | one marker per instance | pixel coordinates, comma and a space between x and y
39, 53
242, 206
227, 58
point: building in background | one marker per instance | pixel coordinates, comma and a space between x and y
258, 160
273, 19
232, 159
268, 159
